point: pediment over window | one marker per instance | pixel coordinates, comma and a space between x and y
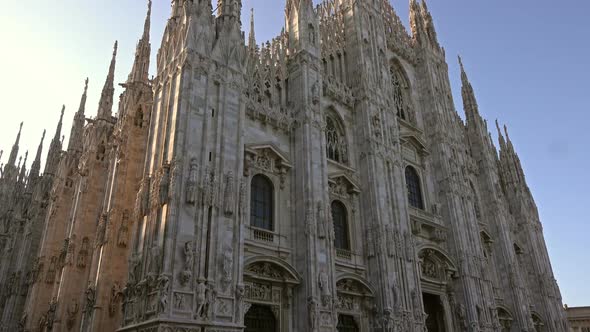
267, 158
414, 142
436, 266
271, 269
342, 185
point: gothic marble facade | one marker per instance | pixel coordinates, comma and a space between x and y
322, 181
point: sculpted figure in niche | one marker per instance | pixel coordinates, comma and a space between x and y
134, 269
90, 298
70, 251
51, 313
164, 184
71, 313
321, 220
189, 256
191, 184
115, 297
240, 292
50, 277
164, 286
312, 306
325, 289
155, 260
230, 201
123, 234
201, 300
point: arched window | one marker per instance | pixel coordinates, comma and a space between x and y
261, 203
398, 95
340, 219
335, 142
414, 191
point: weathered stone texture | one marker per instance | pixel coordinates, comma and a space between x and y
321, 181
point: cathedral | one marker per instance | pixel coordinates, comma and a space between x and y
320, 181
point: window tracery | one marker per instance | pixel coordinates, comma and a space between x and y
261, 203
336, 147
414, 189
340, 219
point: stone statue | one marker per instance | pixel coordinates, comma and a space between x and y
90, 298
191, 183
325, 289
312, 307
155, 260
164, 184
201, 300
189, 256
229, 199
240, 292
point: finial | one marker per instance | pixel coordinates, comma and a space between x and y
506, 132
499, 131
115, 48
86, 85
252, 35
460, 62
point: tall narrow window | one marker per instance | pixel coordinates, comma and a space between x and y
261, 203
398, 96
339, 216
414, 191
335, 142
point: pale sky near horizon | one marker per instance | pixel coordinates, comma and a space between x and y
528, 60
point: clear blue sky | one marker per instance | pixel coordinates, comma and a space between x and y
528, 60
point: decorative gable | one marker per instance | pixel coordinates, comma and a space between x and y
266, 158
341, 185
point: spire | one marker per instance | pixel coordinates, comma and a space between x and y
416, 21
14, 152
141, 65
23, 169
59, 124
252, 35
500, 137
75, 142
54, 153
105, 105
36, 166
147, 24
469, 100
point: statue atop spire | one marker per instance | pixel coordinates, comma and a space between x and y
252, 35
469, 101
36, 166
23, 169
141, 65
105, 105
14, 151
54, 153
75, 142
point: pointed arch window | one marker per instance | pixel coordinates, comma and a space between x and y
336, 147
261, 203
398, 94
414, 188
340, 219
